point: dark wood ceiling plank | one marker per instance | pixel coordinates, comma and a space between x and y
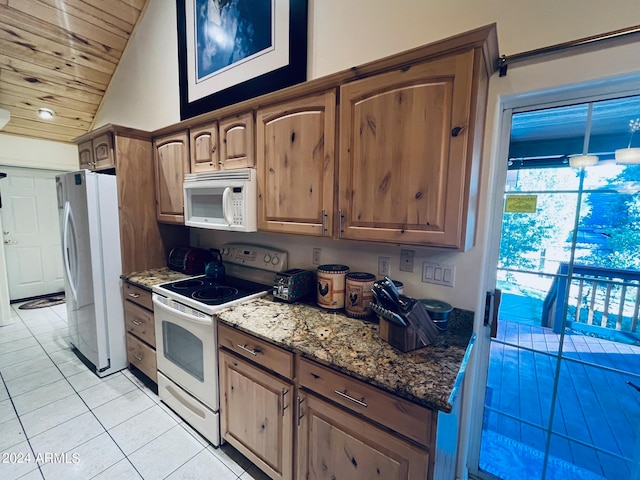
25, 54
109, 21
60, 119
23, 45
123, 10
13, 101
50, 31
93, 84
42, 85
31, 131
137, 4
43, 99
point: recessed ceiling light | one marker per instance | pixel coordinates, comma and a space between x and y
46, 113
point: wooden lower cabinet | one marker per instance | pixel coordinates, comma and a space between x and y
257, 415
142, 356
141, 335
333, 444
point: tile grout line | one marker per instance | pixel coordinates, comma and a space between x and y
78, 395
20, 422
182, 424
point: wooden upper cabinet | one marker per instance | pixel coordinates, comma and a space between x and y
295, 165
85, 153
407, 153
205, 151
171, 155
237, 141
97, 154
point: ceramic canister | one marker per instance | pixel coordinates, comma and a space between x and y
331, 284
358, 294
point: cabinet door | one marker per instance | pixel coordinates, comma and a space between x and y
335, 444
257, 415
85, 153
171, 163
103, 152
405, 153
205, 154
295, 163
237, 142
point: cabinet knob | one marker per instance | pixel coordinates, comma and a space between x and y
455, 131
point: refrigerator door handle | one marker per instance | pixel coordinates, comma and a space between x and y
68, 222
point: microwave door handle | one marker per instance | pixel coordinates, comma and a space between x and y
227, 208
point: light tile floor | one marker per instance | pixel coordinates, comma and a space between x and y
58, 420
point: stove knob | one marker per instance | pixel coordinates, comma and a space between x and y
275, 260
225, 251
267, 258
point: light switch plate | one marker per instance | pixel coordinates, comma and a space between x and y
438, 274
406, 260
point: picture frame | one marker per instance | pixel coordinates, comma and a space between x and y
234, 50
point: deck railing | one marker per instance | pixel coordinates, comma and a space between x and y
602, 301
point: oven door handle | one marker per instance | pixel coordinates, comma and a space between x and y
157, 305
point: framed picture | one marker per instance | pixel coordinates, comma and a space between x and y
233, 50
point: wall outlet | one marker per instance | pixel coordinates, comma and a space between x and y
406, 260
316, 256
439, 274
383, 266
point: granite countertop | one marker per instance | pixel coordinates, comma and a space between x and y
148, 278
429, 376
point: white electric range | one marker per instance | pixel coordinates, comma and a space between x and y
186, 333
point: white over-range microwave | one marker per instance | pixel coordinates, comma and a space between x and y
222, 200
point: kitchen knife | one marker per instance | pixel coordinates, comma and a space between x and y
388, 314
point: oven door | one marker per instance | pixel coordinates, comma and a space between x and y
186, 348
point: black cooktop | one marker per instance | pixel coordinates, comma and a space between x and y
205, 291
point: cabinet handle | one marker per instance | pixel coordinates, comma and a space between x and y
300, 412
134, 295
324, 222
137, 323
341, 229
283, 392
248, 350
349, 397
138, 357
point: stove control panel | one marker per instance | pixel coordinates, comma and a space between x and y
254, 256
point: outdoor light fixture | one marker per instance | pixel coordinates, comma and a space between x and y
629, 155
46, 113
578, 161
585, 160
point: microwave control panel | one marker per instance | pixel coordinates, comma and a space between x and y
236, 202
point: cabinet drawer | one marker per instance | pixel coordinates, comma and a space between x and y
263, 353
406, 418
142, 356
138, 295
139, 321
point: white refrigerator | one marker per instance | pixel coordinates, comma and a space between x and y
88, 206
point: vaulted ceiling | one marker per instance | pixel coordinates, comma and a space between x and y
60, 55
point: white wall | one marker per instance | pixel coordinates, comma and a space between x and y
26, 152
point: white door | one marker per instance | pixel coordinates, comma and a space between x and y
31, 232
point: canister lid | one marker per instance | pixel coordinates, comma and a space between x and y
333, 268
437, 308
361, 276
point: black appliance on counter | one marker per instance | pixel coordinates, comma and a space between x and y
189, 260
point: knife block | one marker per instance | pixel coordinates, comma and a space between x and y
419, 332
